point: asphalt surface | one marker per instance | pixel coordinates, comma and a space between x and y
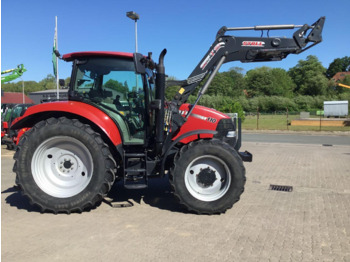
297, 138
310, 223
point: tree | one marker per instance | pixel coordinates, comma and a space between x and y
269, 81
340, 89
171, 91
116, 85
49, 82
309, 77
346, 80
338, 65
230, 83
233, 107
67, 81
29, 86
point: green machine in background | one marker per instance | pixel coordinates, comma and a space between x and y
16, 73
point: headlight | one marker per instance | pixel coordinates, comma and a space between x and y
231, 134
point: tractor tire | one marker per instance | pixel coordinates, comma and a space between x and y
208, 176
62, 165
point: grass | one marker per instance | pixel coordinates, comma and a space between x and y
279, 122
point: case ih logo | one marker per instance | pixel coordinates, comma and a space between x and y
253, 43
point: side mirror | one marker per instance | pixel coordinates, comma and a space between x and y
139, 61
61, 82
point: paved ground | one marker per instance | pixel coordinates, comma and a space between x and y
297, 138
309, 224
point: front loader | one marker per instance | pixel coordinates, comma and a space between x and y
117, 125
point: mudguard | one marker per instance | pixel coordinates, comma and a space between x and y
39, 112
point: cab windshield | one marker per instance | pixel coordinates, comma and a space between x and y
112, 85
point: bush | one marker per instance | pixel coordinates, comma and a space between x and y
268, 103
233, 107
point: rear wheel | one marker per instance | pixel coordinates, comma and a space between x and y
62, 165
208, 176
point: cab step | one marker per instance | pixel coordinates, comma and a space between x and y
135, 186
135, 170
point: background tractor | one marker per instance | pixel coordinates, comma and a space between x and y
15, 73
9, 136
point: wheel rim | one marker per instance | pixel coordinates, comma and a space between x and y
207, 178
62, 166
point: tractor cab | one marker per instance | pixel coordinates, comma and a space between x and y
109, 81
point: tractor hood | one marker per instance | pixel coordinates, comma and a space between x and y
203, 113
200, 118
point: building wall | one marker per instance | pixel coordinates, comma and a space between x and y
38, 97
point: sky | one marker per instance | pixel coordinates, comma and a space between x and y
186, 28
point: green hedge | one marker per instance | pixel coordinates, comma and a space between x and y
268, 103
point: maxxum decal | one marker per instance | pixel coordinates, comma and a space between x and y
212, 54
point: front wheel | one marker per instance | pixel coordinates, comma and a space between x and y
63, 165
208, 176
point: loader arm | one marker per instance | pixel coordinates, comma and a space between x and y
16, 73
248, 49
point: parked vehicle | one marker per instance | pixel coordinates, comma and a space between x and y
15, 73
10, 137
76, 149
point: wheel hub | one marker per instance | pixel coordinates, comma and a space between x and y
66, 164
206, 177
62, 166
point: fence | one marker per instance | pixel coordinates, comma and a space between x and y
285, 120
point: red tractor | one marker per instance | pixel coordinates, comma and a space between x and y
116, 125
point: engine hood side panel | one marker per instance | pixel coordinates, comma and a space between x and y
200, 118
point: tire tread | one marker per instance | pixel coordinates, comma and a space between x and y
109, 176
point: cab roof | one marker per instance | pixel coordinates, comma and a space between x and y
72, 56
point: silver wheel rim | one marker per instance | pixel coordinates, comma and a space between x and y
62, 166
221, 178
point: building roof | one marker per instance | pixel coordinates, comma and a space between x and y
340, 76
49, 91
15, 98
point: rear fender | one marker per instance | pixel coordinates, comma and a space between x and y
72, 109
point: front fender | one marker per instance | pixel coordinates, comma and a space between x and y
40, 112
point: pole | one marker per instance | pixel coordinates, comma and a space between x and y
23, 91
57, 84
257, 118
287, 118
137, 80
136, 36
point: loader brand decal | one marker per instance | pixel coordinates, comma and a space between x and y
253, 43
209, 119
212, 54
